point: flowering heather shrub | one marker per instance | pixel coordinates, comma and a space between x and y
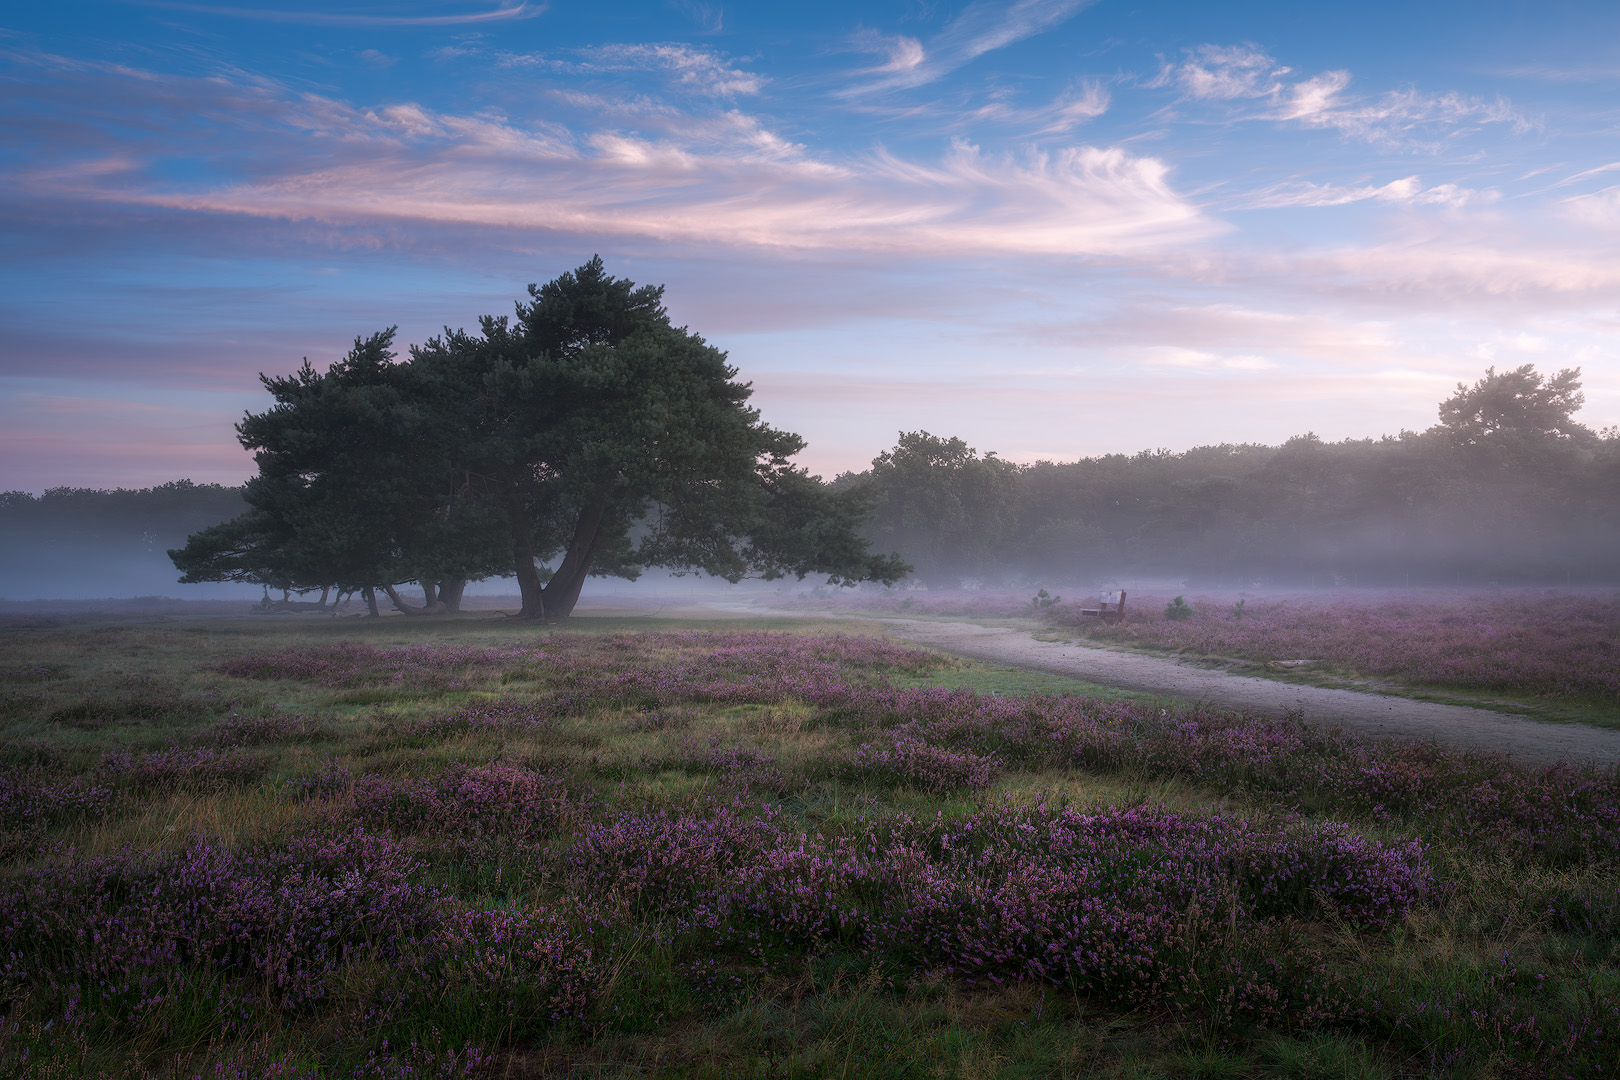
533, 909
626, 668
416, 1062
238, 730
674, 718
351, 664
659, 858
1099, 901
332, 779
183, 769
734, 765
510, 714
1561, 813
1552, 646
122, 933
30, 796
912, 762
498, 798
27, 673
502, 973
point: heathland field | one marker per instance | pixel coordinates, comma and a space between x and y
420, 848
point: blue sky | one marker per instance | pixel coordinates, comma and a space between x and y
1054, 228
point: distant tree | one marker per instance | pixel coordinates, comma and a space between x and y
1519, 404
103, 540
943, 505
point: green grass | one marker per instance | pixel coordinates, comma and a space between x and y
992, 679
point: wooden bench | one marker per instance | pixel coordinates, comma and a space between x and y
1110, 606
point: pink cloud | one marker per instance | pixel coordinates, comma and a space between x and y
752, 191
50, 440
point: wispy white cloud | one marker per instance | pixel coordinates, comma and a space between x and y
1407, 191
710, 18
1585, 173
717, 179
1390, 117
500, 13
982, 27
1436, 272
901, 55
1252, 82
1600, 209
691, 67
1224, 73
1069, 110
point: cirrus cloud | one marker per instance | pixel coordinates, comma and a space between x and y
717, 178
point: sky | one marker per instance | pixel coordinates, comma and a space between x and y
1054, 228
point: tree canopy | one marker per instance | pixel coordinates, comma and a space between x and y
948, 508
585, 429
1519, 410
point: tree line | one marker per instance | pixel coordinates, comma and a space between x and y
74, 541
587, 436
1506, 486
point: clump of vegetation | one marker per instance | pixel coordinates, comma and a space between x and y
1044, 599
1178, 610
754, 854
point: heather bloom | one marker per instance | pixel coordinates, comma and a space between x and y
489, 716
911, 761
120, 933
1558, 646
522, 860
237, 730
1097, 900
183, 769
494, 799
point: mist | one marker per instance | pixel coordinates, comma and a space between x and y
1508, 489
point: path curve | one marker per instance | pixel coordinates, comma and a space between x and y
1533, 741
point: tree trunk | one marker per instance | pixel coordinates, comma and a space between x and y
562, 592
534, 600
326, 590
450, 593
371, 601
407, 609
430, 593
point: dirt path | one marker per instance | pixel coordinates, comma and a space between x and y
1362, 713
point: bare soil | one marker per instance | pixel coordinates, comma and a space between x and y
1528, 740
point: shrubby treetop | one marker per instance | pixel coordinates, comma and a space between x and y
587, 427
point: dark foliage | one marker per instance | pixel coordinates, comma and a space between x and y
588, 430
1506, 487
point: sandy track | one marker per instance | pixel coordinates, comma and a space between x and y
1363, 713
